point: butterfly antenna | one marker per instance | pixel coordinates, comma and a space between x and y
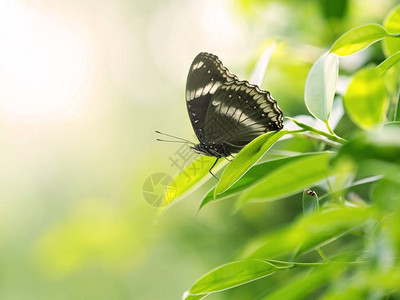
175, 137
161, 140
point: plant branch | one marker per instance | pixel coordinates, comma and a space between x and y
394, 35
288, 265
322, 254
334, 138
329, 128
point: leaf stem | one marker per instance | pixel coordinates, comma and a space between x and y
394, 35
329, 128
293, 264
296, 131
288, 265
334, 138
322, 254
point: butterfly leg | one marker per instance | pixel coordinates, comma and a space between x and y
212, 168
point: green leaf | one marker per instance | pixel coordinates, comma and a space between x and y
192, 177
321, 86
323, 133
358, 38
310, 202
386, 193
306, 282
246, 158
369, 281
307, 233
255, 174
391, 45
290, 179
188, 296
366, 99
382, 144
231, 275
257, 76
388, 63
352, 186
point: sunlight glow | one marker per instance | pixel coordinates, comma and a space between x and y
207, 27
44, 64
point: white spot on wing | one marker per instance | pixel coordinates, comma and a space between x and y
197, 66
215, 87
215, 102
198, 92
207, 88
267, 110
192, 93
261, 100
238, 116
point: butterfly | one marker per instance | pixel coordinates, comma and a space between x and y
226, 113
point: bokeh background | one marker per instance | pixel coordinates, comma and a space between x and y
83, 86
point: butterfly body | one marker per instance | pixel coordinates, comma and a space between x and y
226, 113
217, 150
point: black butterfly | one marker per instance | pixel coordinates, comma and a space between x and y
226, 113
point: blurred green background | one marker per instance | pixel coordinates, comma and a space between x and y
83, 86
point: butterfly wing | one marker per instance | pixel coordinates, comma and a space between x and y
206, 75
239, 112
